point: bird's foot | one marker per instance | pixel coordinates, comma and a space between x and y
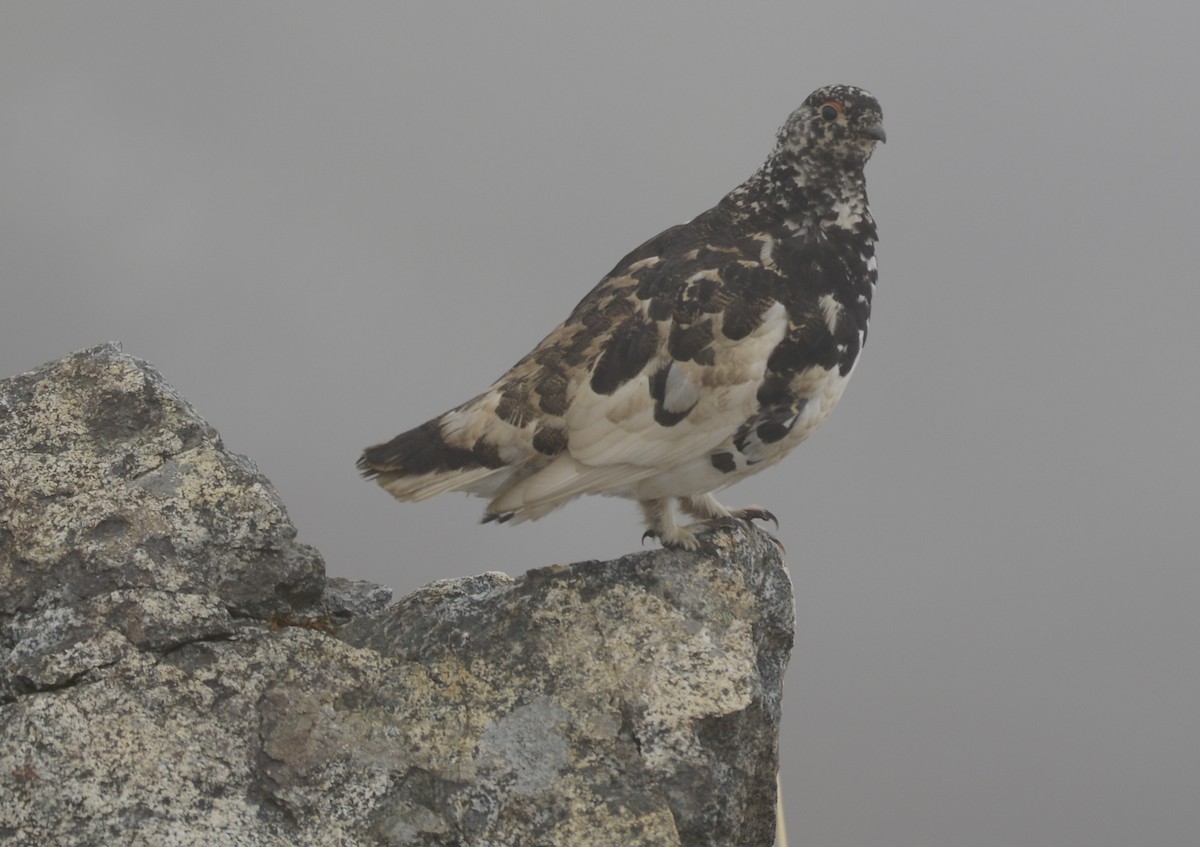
677, 537
712, 516
749, 514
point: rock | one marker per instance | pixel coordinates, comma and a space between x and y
345, 598
111, 481
177, 670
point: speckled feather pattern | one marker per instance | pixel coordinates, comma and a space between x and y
706, 354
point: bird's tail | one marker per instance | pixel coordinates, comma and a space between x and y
426, 461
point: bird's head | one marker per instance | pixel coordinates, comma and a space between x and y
837, 125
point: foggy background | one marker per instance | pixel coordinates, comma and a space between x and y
326, 223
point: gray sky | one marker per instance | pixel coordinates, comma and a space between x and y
326, 223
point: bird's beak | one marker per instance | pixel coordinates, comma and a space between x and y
876, 132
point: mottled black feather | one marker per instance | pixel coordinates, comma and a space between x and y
627, 352
658, 391
423, 450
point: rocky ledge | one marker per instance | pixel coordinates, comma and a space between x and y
176, 669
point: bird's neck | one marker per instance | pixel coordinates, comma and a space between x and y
811, 196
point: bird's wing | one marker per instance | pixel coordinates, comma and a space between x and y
717, 349
663, 361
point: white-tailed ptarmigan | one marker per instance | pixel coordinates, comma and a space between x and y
705, 355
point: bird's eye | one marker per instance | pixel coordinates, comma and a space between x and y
831, 110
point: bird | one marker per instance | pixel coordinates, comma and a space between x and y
704, 356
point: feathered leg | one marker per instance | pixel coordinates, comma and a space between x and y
660, 519
706, 508
703, 507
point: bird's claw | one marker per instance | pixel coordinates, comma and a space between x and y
756, 513
650, 533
